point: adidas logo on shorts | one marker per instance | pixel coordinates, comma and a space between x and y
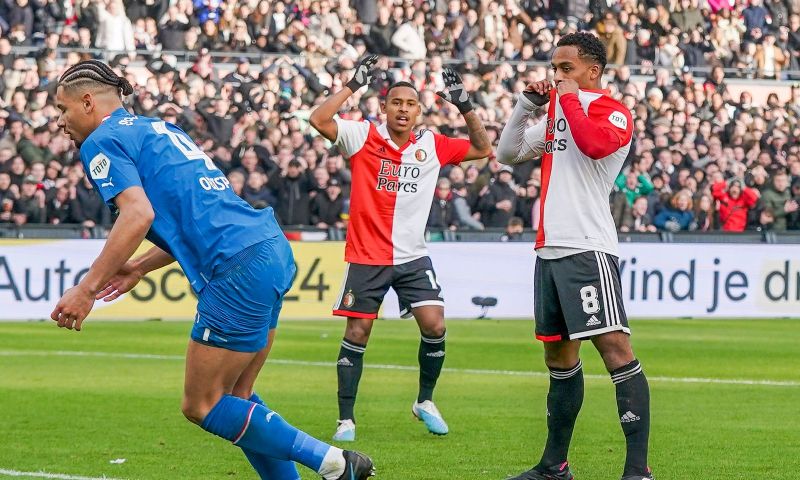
629, 417
593, 322
344, 362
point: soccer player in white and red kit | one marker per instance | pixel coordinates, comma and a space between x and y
583, 141
394, 179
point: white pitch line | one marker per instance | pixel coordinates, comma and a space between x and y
16, 473
471, 371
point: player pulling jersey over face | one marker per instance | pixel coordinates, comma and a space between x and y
582, 140
235, 258
394, 179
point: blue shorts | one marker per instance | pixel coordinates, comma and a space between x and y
241, 303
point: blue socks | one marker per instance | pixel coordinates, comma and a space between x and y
257, 429
269, 468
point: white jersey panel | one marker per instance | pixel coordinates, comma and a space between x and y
420, 167
576, 208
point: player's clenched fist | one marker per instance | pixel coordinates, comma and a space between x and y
538, 92
454, 91
566, 86
364, 72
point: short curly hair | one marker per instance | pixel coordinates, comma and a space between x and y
589, 47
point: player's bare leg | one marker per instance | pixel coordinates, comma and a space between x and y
633, 400
430, 319
210, 373
349, 367
245, 384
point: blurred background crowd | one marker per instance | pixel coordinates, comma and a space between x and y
241, 77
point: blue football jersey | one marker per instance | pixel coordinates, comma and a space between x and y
199, 220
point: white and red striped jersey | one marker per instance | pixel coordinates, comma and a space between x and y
583, 142
392, 190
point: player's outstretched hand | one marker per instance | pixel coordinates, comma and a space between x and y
454, 91
122, 282
74, 306
538, 92
364, 72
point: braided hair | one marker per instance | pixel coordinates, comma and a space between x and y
90, 73
589, 47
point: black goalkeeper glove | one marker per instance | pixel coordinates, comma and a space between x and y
454, 91
364, 72
537, 98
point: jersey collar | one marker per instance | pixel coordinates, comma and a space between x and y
383, 130
119, 111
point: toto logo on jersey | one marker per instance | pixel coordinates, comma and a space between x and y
394, 177
99, 167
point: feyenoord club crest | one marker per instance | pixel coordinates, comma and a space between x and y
349, 299
421, 155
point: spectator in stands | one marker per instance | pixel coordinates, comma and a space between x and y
409, 38
59, 207
734, 200
30, 206
766, 221
255, 191
237, 180
443, 214
637, 219
705, 214
466, 220
770, 58
793, 218
778, 200
8, 194
514, 230
114, 29
294, 200
613, 38
88, 207
634, 184
677, 215
499, 202
327, 207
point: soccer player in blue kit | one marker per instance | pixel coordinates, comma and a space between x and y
236, 259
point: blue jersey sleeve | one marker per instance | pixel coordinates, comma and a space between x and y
109, 167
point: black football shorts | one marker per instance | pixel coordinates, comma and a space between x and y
364, 287
577, 297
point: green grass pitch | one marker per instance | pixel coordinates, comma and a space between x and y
73, 414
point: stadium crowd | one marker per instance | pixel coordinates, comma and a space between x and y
701, 159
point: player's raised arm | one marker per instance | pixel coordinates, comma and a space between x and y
322, 117
455, 93
517, 142
602, 131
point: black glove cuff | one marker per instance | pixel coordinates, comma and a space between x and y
353, 85
464, 107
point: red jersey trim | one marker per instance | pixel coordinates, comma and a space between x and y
547, 167
347, 313
549, 338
